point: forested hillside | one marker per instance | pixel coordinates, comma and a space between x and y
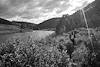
19, 24
92, 13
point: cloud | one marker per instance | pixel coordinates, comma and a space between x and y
38, 10
9, 8
79, 4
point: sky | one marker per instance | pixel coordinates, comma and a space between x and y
37, 11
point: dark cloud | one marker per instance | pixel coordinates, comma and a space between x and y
18, 2
3, 9
11, 8
8, 8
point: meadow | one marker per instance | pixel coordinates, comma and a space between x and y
50, 51
35, 34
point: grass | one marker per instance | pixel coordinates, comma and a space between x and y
49, 52
36, 35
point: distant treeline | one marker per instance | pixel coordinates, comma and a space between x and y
24, 25
19, 24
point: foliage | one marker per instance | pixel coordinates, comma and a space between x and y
53, 51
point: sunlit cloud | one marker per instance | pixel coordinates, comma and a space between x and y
79, 4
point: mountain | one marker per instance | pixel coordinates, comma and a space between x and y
9, 27
92, 13
3, 21
19, 24
6, 27
49, 24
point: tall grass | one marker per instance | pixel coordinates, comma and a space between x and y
49, 52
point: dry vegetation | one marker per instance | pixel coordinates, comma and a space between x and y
49, 52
